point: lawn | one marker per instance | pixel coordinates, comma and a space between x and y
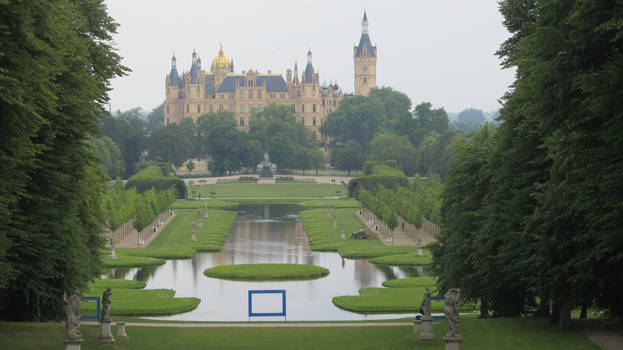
199, 204
500, 333
324, 237
275, 191
129, 298
132, 261
333, 203
267, 272
410, 259
174, 240
412, 282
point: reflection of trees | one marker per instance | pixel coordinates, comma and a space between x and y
120, 272
365, 272
410, 271
387, 271
145, 273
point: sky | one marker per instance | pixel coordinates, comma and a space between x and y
438, 51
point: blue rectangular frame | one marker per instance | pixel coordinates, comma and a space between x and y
97, 309
268, 291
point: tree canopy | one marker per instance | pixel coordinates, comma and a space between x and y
56, 60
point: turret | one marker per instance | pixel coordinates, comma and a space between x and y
364, 56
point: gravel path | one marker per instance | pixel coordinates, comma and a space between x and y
262, 325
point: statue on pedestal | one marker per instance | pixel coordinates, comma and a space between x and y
72, 317
425, 308
106, 305
451, 311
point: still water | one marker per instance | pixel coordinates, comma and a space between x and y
267, 233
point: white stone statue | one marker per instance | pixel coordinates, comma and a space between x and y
451, 311
425, 308
106, 305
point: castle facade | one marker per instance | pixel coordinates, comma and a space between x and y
199, 91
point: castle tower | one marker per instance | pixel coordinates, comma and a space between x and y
172, 93
220, 67
364, 57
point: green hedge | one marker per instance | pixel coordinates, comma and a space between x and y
368, 166
370, 182
153, 176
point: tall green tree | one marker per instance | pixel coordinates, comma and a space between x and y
169, 144
350, 157
56, 62
109, 156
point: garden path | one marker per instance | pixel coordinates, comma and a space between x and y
605, 338
131, 241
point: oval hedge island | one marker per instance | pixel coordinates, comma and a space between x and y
266, 272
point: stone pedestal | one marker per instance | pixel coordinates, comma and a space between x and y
105, 334
334, 224
193, 237
343, 236
111, 254
72, 345
200, 224
427, 328
453, 343
121, 330
417, 325
419, 252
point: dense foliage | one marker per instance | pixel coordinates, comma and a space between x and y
56, 61
532, 213
153, 177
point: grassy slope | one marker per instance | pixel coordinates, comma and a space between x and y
174, 241
333, 203
267, 272
411, 282
410, 259
199, 204
128, 298
323, 236
478, 334
281, 190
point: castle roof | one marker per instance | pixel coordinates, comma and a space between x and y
309, 72
174, 77
273, 83
365, 41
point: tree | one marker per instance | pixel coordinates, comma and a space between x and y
358, 118
169, 144
109, 155
426, 120
129, 132
57, 60
350, 157
471, 116
396, 105
190, 165
155, 119
398, 148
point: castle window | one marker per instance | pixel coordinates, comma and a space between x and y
241, 108
241, 121
259, 108
220, 108
222, 96
303, 108
330, 110
250, 94
282, 95
303, 120
211, 108
198, 108
314, 121
167, 109
167, 120
187, 108
293, 108
259, 93
250, 83
231, 108
365, 80
314, 108
241, 94
323, 102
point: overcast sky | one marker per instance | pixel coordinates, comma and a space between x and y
441, 51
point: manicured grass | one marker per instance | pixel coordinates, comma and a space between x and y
131, 261
129, 298
500, 333
267, 272
412, 282
388, 300
199, 204
116, 283
174, 240
410, 259
333, 203
280, 190
142, 302
324, 237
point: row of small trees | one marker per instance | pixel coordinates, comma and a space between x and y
413, 204
121, 205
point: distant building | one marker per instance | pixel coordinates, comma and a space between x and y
198, 91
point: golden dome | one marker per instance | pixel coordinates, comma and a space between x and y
220, 61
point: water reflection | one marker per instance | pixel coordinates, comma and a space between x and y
268, 234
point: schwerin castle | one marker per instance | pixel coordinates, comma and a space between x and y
197, 91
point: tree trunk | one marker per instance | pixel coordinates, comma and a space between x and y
349, 172
543, 308
484, 309
564, 320
583, 312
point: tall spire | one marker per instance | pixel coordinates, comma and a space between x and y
194, 56
173, 61
309, 56
364, 23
